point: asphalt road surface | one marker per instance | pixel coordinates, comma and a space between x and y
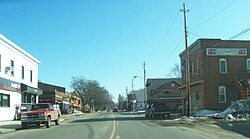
108, 125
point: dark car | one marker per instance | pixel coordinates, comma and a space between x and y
159, 110
115, 109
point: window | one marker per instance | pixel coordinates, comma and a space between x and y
12, 68
184, 76
222, 94
166, 92
31, 76
192, 70
197, 67
248, 64
223, 66
4, 100
23, 72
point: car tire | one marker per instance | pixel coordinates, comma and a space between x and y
48, 123
57, 120
24, 125
38, 124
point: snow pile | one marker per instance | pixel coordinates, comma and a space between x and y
186, 119
205, 113
238, 109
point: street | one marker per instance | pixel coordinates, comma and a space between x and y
121, 125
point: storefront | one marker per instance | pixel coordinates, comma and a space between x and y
30, 94
10, 98
12, 95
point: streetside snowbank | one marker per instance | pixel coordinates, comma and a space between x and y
238, 109
205, 113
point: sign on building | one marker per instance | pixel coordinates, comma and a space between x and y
226, 51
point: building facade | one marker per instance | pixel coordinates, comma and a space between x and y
218, 71
57, 95
18, 78
165, 90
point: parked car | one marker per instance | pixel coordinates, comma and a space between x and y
86, 109
158, 110
40, 113
115, 109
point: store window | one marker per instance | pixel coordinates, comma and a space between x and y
4, 100
248, 64
223, 66
222, 94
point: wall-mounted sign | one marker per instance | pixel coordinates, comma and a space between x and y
226, 51
9, 85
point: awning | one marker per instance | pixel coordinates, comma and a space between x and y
31, 90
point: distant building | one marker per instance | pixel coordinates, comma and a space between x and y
219, 73
18, 78
139, 97
57, 95
165, 90
131, 102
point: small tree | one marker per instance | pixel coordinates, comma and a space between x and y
175, 71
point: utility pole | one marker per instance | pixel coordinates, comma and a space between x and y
127, 96
144, 85
133, 95
189, 112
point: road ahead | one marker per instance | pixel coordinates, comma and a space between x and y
110, 126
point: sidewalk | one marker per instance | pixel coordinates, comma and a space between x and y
9, 126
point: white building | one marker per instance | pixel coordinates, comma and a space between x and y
18, 78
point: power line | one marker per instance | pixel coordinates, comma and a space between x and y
214, 15
239, 34
231, 38
194, 5
156, 69
164, 36
209, 10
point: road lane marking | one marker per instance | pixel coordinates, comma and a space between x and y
117, 137
113, 130
117, 123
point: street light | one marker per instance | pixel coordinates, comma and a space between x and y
144, 92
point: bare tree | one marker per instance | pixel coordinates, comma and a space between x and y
92, 93
175, 71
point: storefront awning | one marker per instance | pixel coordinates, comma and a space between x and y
32, 90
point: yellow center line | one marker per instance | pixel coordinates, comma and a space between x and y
113, 130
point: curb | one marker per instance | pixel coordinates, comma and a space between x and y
7, 131
4, 131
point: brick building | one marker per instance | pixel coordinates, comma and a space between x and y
219, 73
57, 95
165, 90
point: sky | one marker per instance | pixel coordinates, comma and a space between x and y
108, 40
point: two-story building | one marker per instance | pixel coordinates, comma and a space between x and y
57, 95
165, 90
219, 73
18, 78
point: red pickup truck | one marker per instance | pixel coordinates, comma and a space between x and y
40, 113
